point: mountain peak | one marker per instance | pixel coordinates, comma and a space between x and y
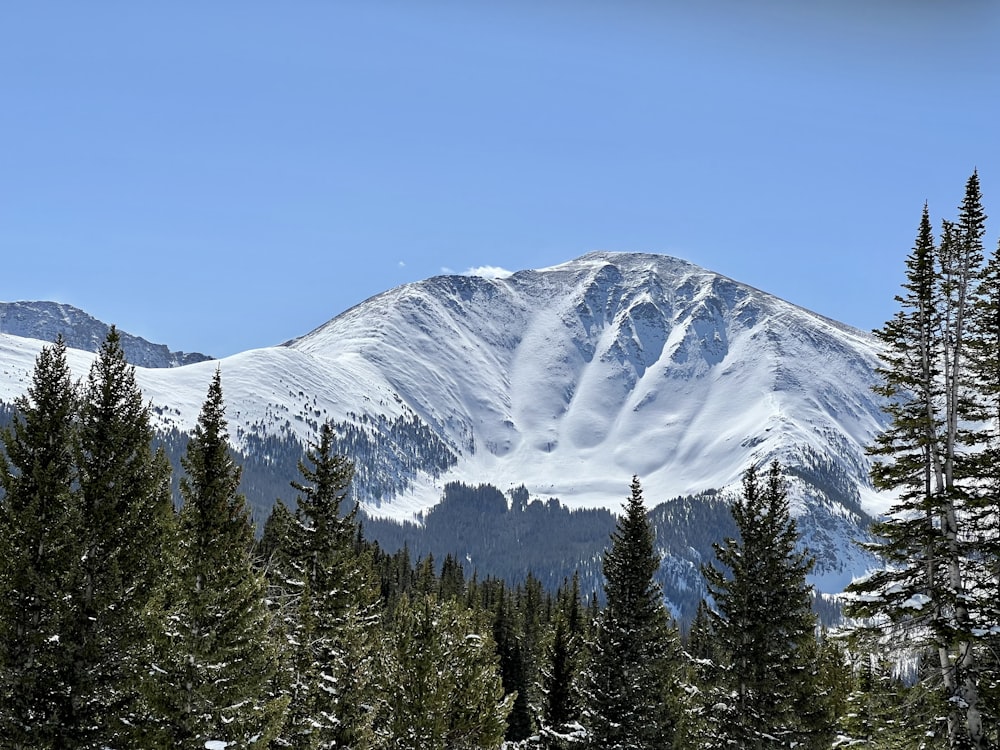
622, 257
599, 353
46, 320
569, 380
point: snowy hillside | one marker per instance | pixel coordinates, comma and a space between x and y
573, 378
568, 380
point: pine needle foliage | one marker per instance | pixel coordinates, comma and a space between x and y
331, 615
216, 657
39, 545
763, 627
123, 505
447, 693
938, 590
632, 684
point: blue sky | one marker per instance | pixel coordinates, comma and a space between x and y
222, 176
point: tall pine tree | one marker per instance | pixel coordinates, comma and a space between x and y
763, 626
985, 371
930, 456
216, 657
632, 684
332, 616
560, 726
39, 545
124, 505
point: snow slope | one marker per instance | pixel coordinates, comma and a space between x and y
573, 378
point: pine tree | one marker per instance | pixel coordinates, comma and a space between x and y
508, 631
764, 625
333, 624
822, 690
452, 584
961, 263
701, 638
531, 602
447, 693
560, 724
930, 456
885, 711
216, 657
705, 667
632, 683
985, 506
123, 503
38, 546
425, 576
277, 528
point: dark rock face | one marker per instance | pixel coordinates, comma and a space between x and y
46, 320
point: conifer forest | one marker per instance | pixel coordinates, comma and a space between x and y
128, 620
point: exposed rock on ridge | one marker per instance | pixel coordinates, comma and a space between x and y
46, 320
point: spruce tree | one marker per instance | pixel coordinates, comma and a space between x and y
452, 583
39, 546
884, 710
508, 636
705, 666
985, 506
447, 693
216, 657
560, 724
632, 684
332, 617
763, 623
273, 542
124, 507
930, 593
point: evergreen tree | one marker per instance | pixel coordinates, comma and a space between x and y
884, 710
822, 690
705, 666
447, 693
764, 626
985, 506
39, 544
560, 724
632, 683
216, 657
425, 576
508, 632
930, 456
124, 507
452, 585
332, 627
533, 606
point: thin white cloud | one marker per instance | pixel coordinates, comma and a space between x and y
489, 272
402, 264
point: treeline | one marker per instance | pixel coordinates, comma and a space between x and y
505, 536
508, 535
126, 623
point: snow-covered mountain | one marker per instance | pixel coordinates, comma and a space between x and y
46, 320
568, 380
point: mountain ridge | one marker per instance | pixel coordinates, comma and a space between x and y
45, 320
696, 339
569, 380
